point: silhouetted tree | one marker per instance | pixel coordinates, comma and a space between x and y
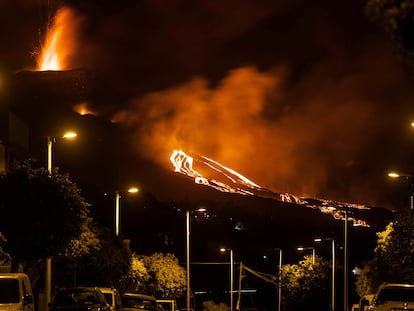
103, 265
43, 215
397, 19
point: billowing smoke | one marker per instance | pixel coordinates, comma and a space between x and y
311, 111
301, 137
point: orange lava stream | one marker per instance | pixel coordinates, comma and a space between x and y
183, 164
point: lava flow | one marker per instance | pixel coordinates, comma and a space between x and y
233, 182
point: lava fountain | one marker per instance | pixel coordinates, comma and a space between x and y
60, 42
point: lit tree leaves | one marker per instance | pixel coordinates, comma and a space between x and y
168, 278
394, 256
158, 274
305, 284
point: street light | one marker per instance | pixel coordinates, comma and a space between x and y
279, 288
48, 276
50, 141
117, 207
409, 178
306, 248
187, 217
231, 274
333, 269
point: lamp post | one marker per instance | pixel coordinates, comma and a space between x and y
48, 276
333, 270
231, 274
187, 225
346, 259
313, 252
410, 180
117, 207
279, 287
50, 141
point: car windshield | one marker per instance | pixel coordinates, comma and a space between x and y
138, 303
108, 297
405, 294
9, 291
76, 298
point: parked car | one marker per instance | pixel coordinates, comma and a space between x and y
113, 297
80, 299
132, 302
15, 292
392, 296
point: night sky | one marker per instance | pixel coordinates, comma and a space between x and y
304, 98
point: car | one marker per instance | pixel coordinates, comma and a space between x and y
113, 297
393, 296
80, 299
132, 302
16, 292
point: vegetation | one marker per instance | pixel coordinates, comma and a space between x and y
53, 220
158, 274
103, 265
47, 209
137, 277
306, 284
212, 306
397, 19
43, 215
4, 257
394, 256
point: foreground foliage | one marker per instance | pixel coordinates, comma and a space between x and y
397, 19
42, 213
158, 274
306, 284
393, 260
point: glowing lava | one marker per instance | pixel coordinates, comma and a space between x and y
82, 109
58, 44
234, 182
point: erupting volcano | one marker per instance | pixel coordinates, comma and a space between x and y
59, 47
59, 44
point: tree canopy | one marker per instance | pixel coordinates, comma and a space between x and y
306, 284
43, 214
397, 19
393, 259
158, 274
